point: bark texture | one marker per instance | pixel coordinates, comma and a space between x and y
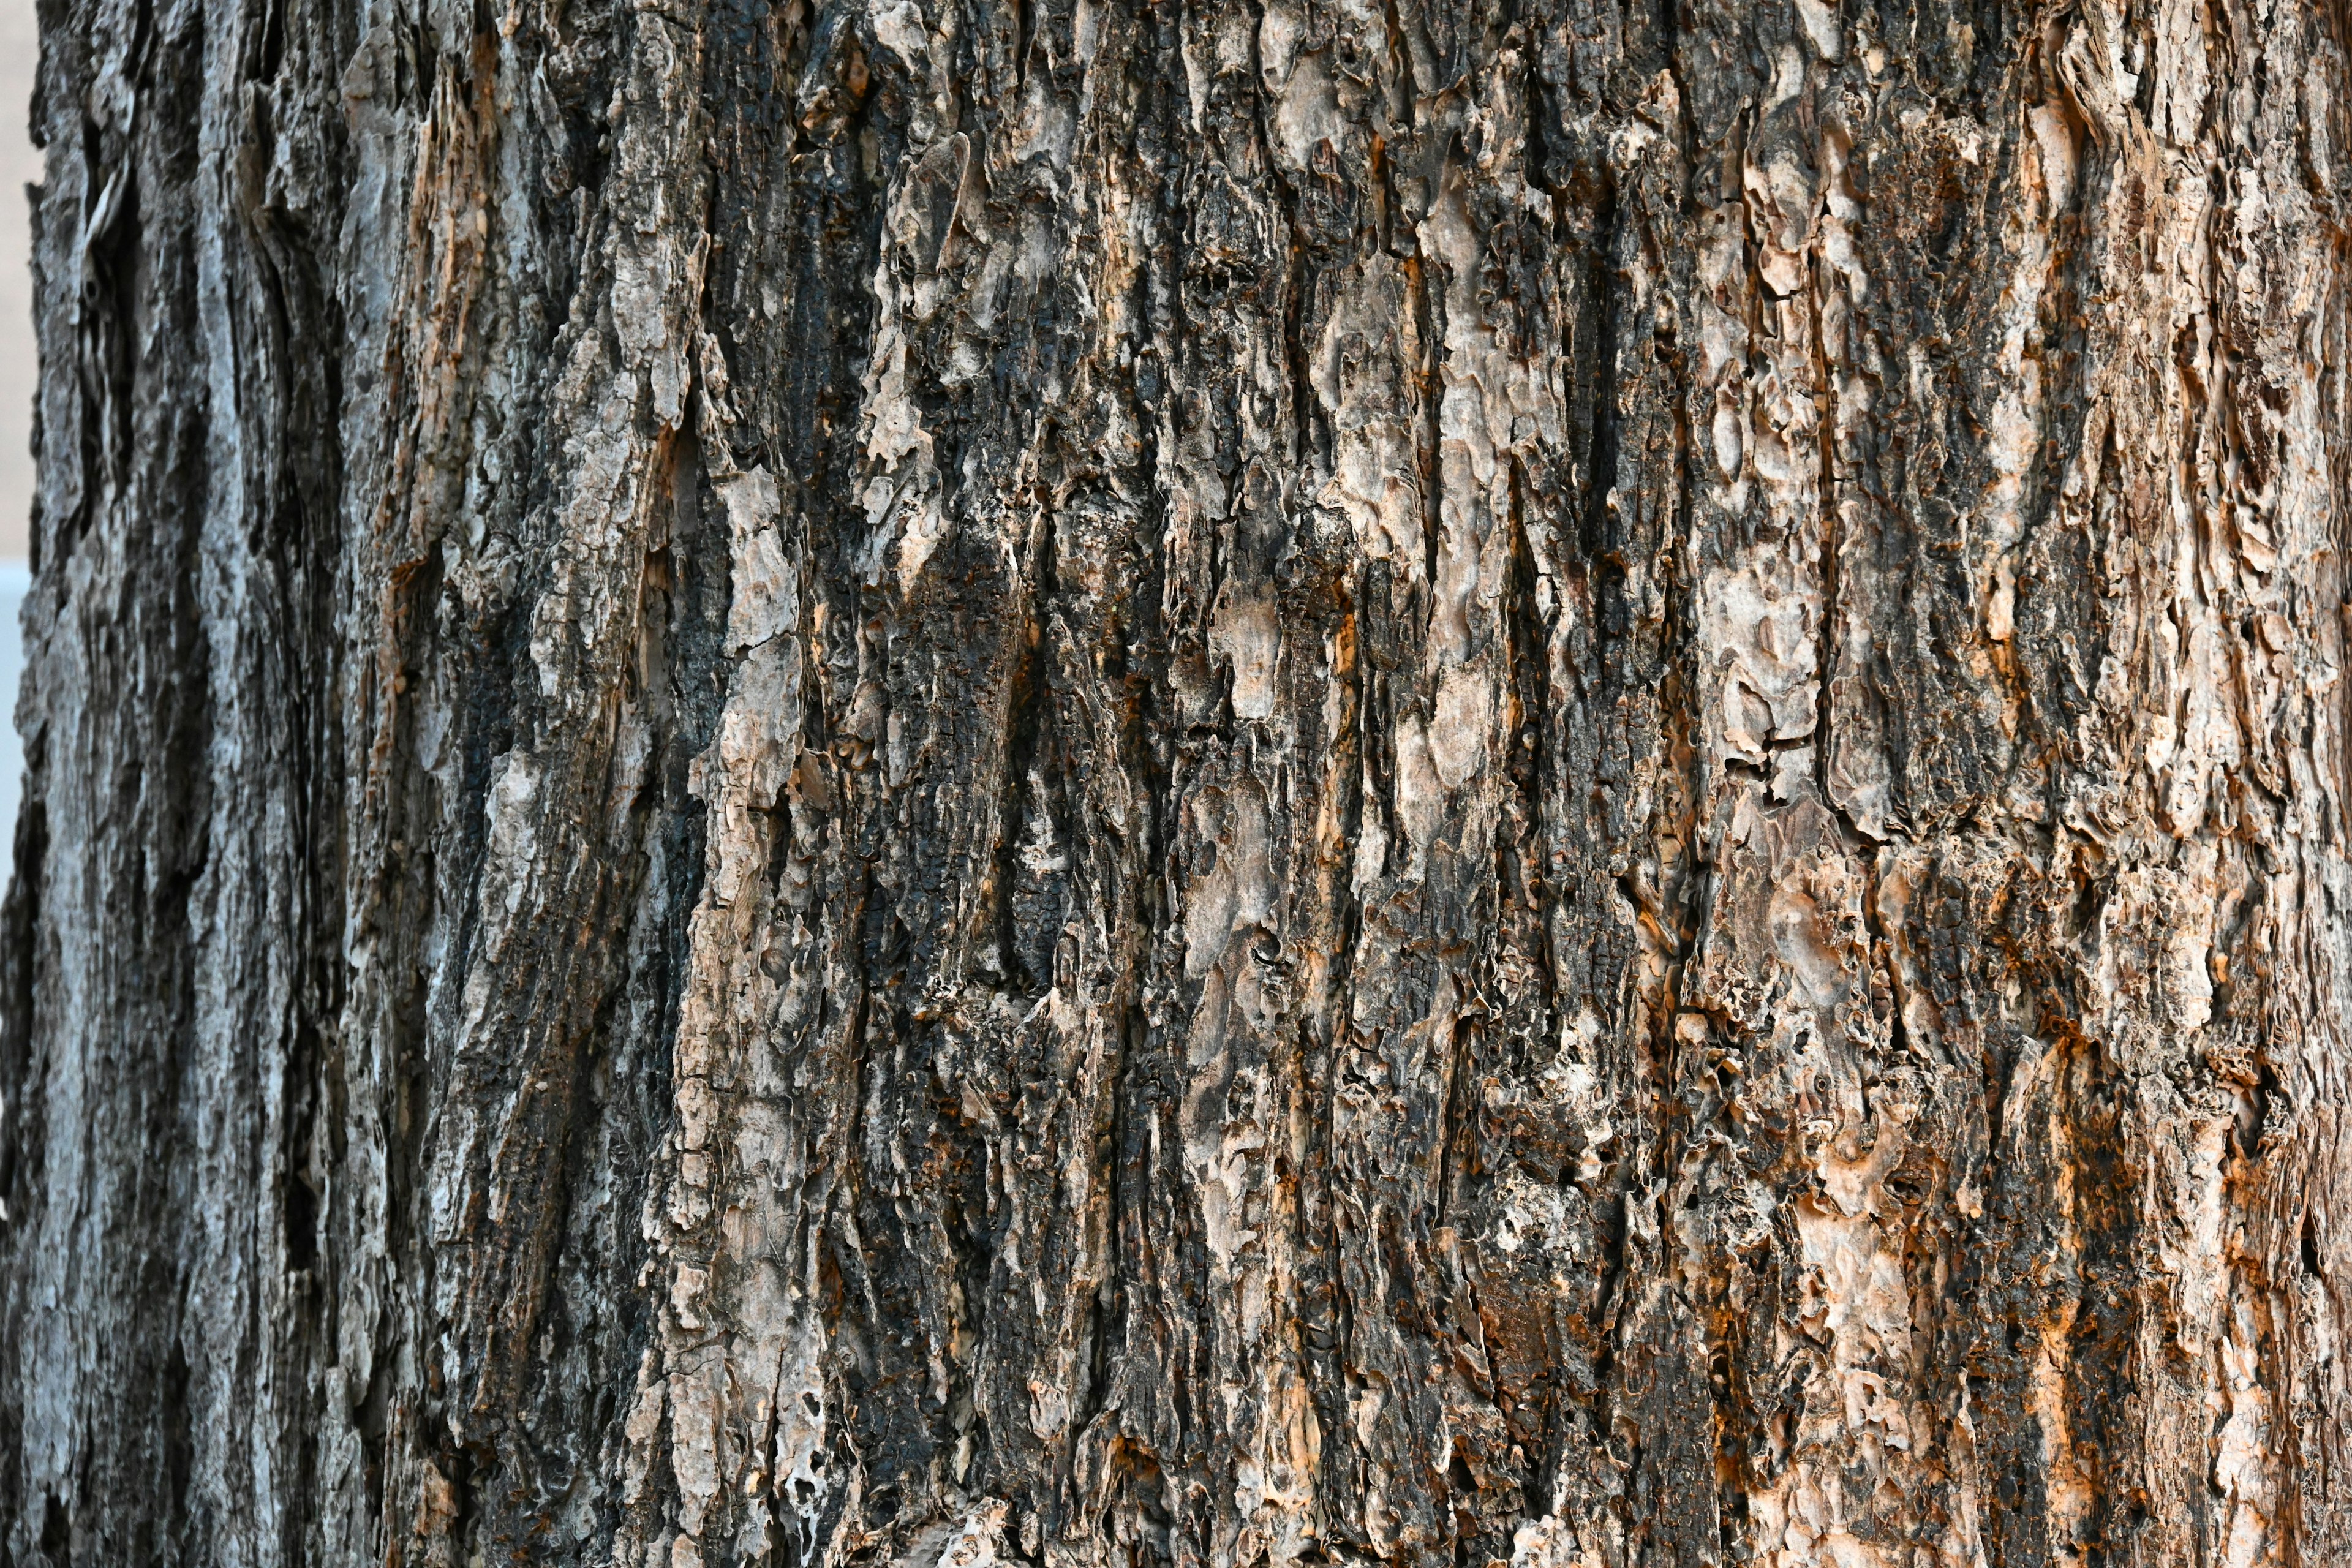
1185, 784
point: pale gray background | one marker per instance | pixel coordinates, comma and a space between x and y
19, 165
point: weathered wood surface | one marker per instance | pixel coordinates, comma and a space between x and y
943, 781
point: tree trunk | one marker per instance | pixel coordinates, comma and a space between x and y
1185, 784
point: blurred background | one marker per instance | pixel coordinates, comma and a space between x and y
19, 166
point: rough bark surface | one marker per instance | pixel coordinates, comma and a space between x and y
934, 783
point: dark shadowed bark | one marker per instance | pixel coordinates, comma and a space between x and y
919, 783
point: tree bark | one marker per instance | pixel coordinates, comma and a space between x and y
1184, 785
